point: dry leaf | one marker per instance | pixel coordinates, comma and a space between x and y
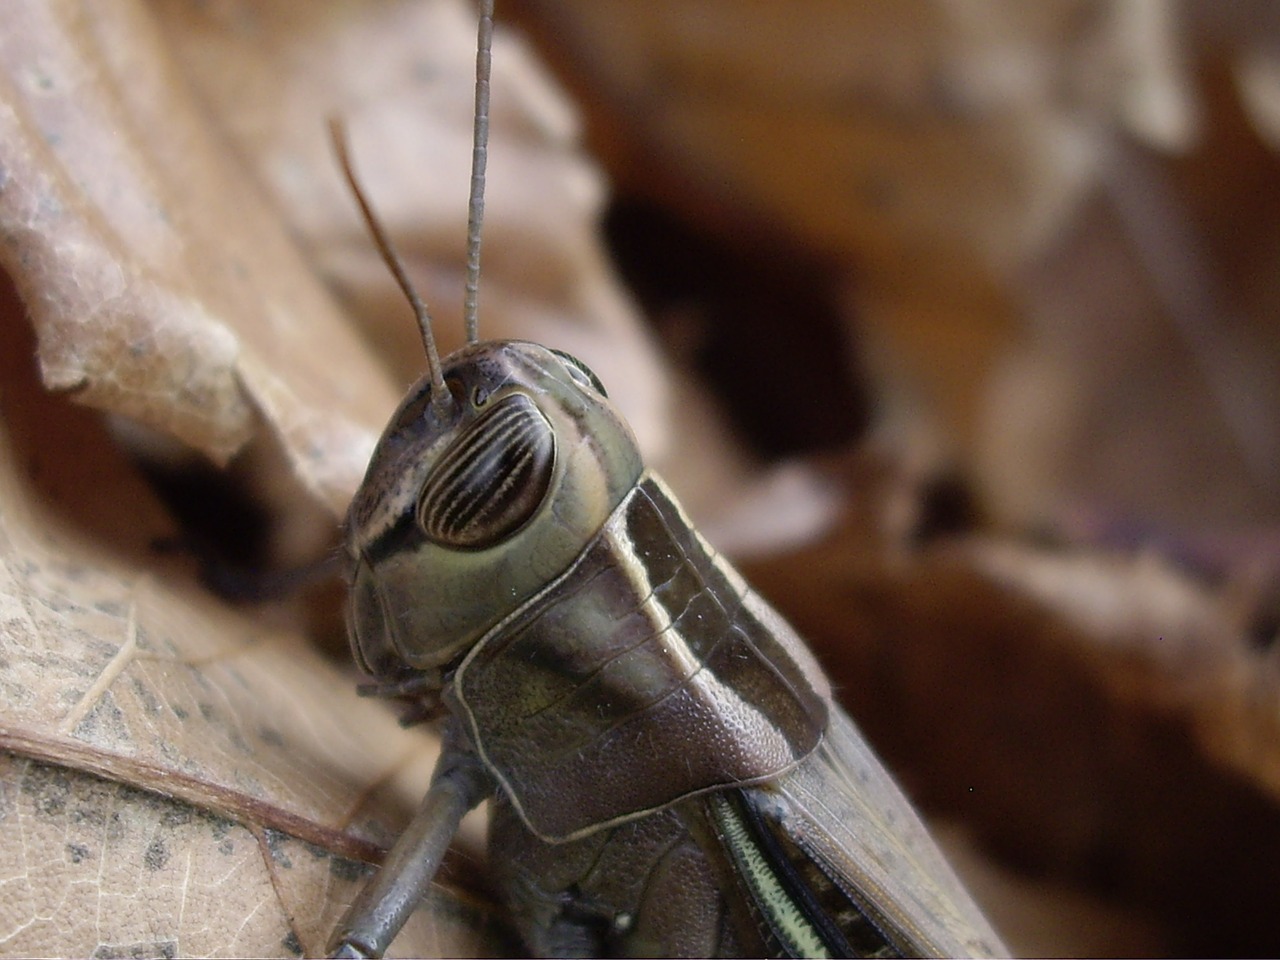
174, 746
1102, 722
889, 130
981, 174
178, 779
401, 76
925, 149
160, 284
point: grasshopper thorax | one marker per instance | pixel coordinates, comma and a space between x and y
470, 508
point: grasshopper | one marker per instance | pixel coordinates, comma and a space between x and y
669, 773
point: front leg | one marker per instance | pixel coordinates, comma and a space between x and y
459, 783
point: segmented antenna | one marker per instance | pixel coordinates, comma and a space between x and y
440, 397
479, 157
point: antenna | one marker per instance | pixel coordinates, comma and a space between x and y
479, 157
440, 397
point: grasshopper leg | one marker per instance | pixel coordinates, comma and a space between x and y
459, 784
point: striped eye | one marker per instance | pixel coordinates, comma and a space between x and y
491, 479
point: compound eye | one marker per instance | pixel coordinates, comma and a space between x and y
491, 479
581, 373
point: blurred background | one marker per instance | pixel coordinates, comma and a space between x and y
1035, 240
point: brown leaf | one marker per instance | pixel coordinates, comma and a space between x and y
1100, 721
159, 744
401, 77
177, 778
160, 284
1052, 220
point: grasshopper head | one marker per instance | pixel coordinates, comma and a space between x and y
469, 509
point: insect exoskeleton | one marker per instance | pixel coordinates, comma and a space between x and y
466, 513
671, 775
